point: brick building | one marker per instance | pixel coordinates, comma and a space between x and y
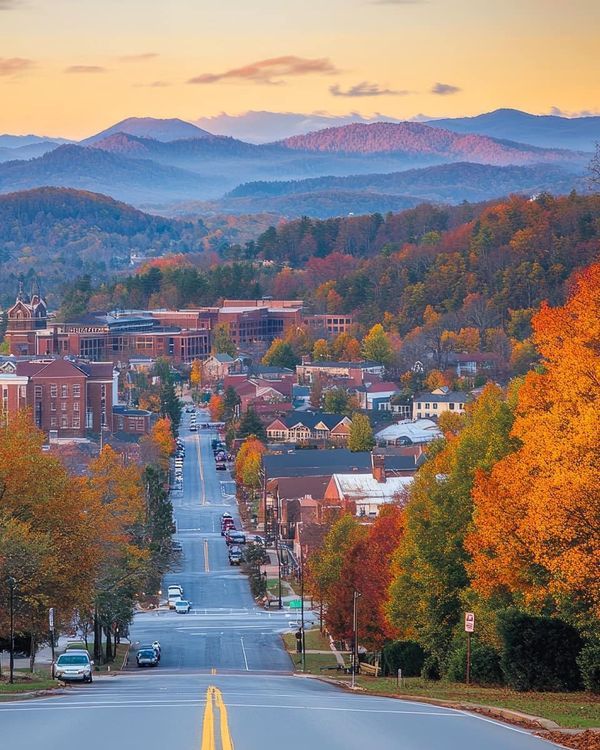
25, 319
67, 398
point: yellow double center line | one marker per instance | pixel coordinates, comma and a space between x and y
214, 698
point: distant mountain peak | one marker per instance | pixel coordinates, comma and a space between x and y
165, 130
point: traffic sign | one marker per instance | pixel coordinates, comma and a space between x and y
51, 618
469, 622
296, 604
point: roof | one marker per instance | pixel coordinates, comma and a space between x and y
379, 387
291, 488
311, 419
258, 370
130, 411
364, 487
419, 431
444, 398
307, 463
223, 358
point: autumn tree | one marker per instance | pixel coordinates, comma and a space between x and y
320, 350
316, 392
431, 561
281, 354
376, 346
248, 462
335, 400
366, 568
216, 407
536, 512
345, 348
361, 433
196, 374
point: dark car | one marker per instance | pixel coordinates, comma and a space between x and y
235, 537
235, 555
147, 657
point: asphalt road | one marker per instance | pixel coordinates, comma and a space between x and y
224, 679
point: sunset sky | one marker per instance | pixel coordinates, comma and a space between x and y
73, 67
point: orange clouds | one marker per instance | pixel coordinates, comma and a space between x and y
265, 71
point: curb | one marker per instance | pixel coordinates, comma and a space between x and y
126, 657
59, 690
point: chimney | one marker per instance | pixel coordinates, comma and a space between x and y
378, 464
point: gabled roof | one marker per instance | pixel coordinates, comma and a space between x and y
291, 488
444, 398
58, 368
419, 431
311, 419
223, 358
361, 365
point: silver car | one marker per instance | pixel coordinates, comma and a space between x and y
74, 665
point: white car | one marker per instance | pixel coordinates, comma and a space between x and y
182, 606
74, 665
174, 594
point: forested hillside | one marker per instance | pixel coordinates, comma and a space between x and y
61, 233
423, 272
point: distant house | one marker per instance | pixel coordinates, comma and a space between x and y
477, 363
375, 396
367, 492
307, 427
408, 432
217, 366
440, 400
130, 420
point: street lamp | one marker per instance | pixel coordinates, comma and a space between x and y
12, 584
355, 598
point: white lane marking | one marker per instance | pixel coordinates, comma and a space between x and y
453, 715
244, 652
190, 704
199, 446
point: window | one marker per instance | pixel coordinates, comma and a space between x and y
451, 406
53, 390
53, 422
76, 406
435, 406
23, 391
427, 406
76, 422
64, 421
53, 406
64, 391
37, 391
76, 391
63, 406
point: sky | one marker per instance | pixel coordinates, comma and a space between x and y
73, 67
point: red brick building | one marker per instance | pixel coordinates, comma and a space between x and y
67, 399
25, 319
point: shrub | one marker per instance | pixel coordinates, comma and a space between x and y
405, 655
589, 666
485, 664
539, 653
431, 668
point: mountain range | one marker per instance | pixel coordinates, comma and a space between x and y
157, 164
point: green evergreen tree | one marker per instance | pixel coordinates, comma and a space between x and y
250, 424
376, 346
221, 341
335, 401
170, 405
281, 354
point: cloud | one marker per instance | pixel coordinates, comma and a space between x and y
10, 66
138, 58
85, 69
364, 88
444, 89
265, 71
558, 112
152, 85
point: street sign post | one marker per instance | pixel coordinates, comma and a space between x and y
51, 626
469, 628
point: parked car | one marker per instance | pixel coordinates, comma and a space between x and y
74, 665
147, 657
183, 606
235, 537
174, 593
227, 524
193, 428
235, 555
176, 546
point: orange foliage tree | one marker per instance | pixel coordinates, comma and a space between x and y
216, 407
537, 512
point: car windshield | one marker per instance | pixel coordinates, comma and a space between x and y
182, 603
147, 652
72, 659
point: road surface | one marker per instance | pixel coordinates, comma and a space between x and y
224, 680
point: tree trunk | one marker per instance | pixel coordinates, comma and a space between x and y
32, 649
109, 652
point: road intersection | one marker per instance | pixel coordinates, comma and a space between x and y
225, 681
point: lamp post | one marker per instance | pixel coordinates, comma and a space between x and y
355, 598
12, 584
302, 607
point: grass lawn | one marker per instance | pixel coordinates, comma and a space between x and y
25, 682
570, 710
313, 662
116, 664
287, 588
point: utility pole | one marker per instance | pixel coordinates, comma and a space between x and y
11, 586
278, 567
302, 607
355, 597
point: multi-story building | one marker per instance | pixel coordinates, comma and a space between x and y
440, 400
25, 319
329, 324
355, 373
